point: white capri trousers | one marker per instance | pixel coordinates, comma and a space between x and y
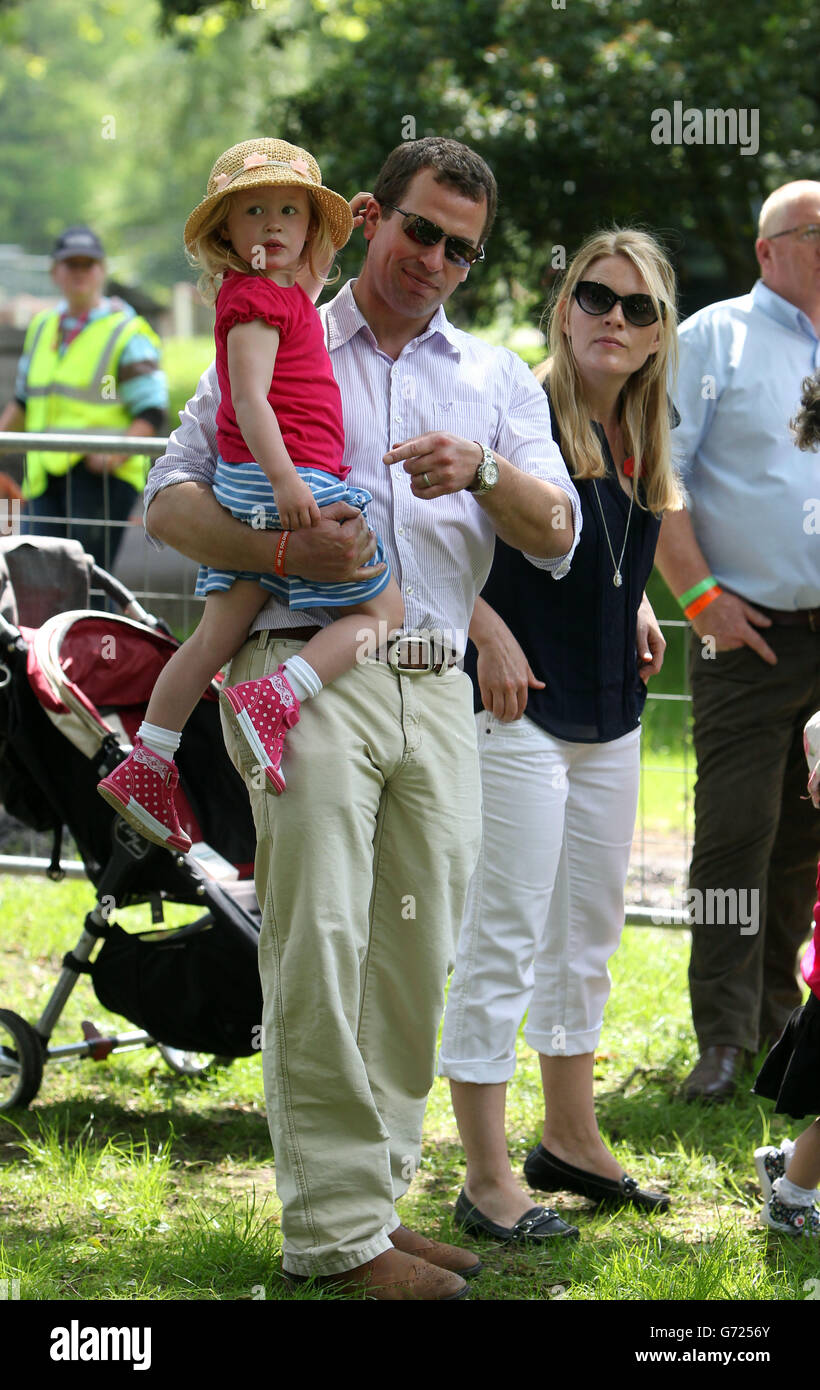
545, 909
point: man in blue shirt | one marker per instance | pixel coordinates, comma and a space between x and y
744, 561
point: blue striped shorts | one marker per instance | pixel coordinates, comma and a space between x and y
247, 494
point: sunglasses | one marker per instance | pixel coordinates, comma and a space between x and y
423, 233
599, 299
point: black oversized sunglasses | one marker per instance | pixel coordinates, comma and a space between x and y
424, 233
638, 309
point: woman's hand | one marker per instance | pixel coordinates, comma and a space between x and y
649, 640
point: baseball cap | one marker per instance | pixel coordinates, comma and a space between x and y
78, 241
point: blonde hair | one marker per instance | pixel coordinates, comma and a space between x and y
215, 254
644, 404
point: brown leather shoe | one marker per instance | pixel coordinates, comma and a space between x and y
452, 1257
715, 1076
393, 1277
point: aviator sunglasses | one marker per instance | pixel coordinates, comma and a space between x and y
424, 233
638, 309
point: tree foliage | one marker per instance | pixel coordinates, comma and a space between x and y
558, 95
559, 100
110, 122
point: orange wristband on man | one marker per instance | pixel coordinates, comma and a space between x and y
703, 601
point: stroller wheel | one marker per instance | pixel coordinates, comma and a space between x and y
21, 1061
185, 1063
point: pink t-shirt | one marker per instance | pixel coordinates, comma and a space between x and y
303, 392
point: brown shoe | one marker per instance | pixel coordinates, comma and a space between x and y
393, 1277
452, 1257
715, 1076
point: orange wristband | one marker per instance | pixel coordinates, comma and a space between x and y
702, 602
279, 559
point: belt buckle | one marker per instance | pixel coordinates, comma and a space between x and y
417, 653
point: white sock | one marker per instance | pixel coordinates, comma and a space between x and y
165, 742
787, 1147
791, 1195
302, 678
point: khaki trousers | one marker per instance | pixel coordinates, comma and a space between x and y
362, 869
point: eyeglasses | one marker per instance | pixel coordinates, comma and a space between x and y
810, 231
424, 233
597, 299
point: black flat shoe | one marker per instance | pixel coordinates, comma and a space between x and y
538, 1225
550, 1174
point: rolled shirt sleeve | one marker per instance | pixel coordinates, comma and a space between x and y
192, 451
525, 440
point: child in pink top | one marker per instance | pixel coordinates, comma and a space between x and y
790, 1075
265, 220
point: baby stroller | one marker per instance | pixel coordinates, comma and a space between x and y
73, 690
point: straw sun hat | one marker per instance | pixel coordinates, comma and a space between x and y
259, 163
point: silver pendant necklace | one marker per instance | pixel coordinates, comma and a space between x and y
617, 578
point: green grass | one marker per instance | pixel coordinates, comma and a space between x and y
124, 1181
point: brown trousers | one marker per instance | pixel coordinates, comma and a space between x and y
755, 830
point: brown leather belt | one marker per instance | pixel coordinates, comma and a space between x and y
284, 634
793, 617
416, 652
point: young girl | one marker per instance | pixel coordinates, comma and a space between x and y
790, 1075
266, 220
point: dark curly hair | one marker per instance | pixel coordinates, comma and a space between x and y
806, 425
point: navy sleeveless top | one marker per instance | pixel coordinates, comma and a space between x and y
578, 633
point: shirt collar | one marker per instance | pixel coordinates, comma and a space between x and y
774, 306
345, 319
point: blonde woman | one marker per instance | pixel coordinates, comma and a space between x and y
562, 671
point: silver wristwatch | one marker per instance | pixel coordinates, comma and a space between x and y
486, 475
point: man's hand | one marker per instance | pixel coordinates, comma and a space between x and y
188, 517
437, 463
728, 620
649, 640
331, 552
505, 677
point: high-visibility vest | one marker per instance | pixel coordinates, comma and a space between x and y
76, 391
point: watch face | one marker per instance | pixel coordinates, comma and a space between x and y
489, 473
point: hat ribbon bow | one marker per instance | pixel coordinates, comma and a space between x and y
259, 161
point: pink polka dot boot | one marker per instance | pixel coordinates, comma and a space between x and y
141, 789
262, 712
